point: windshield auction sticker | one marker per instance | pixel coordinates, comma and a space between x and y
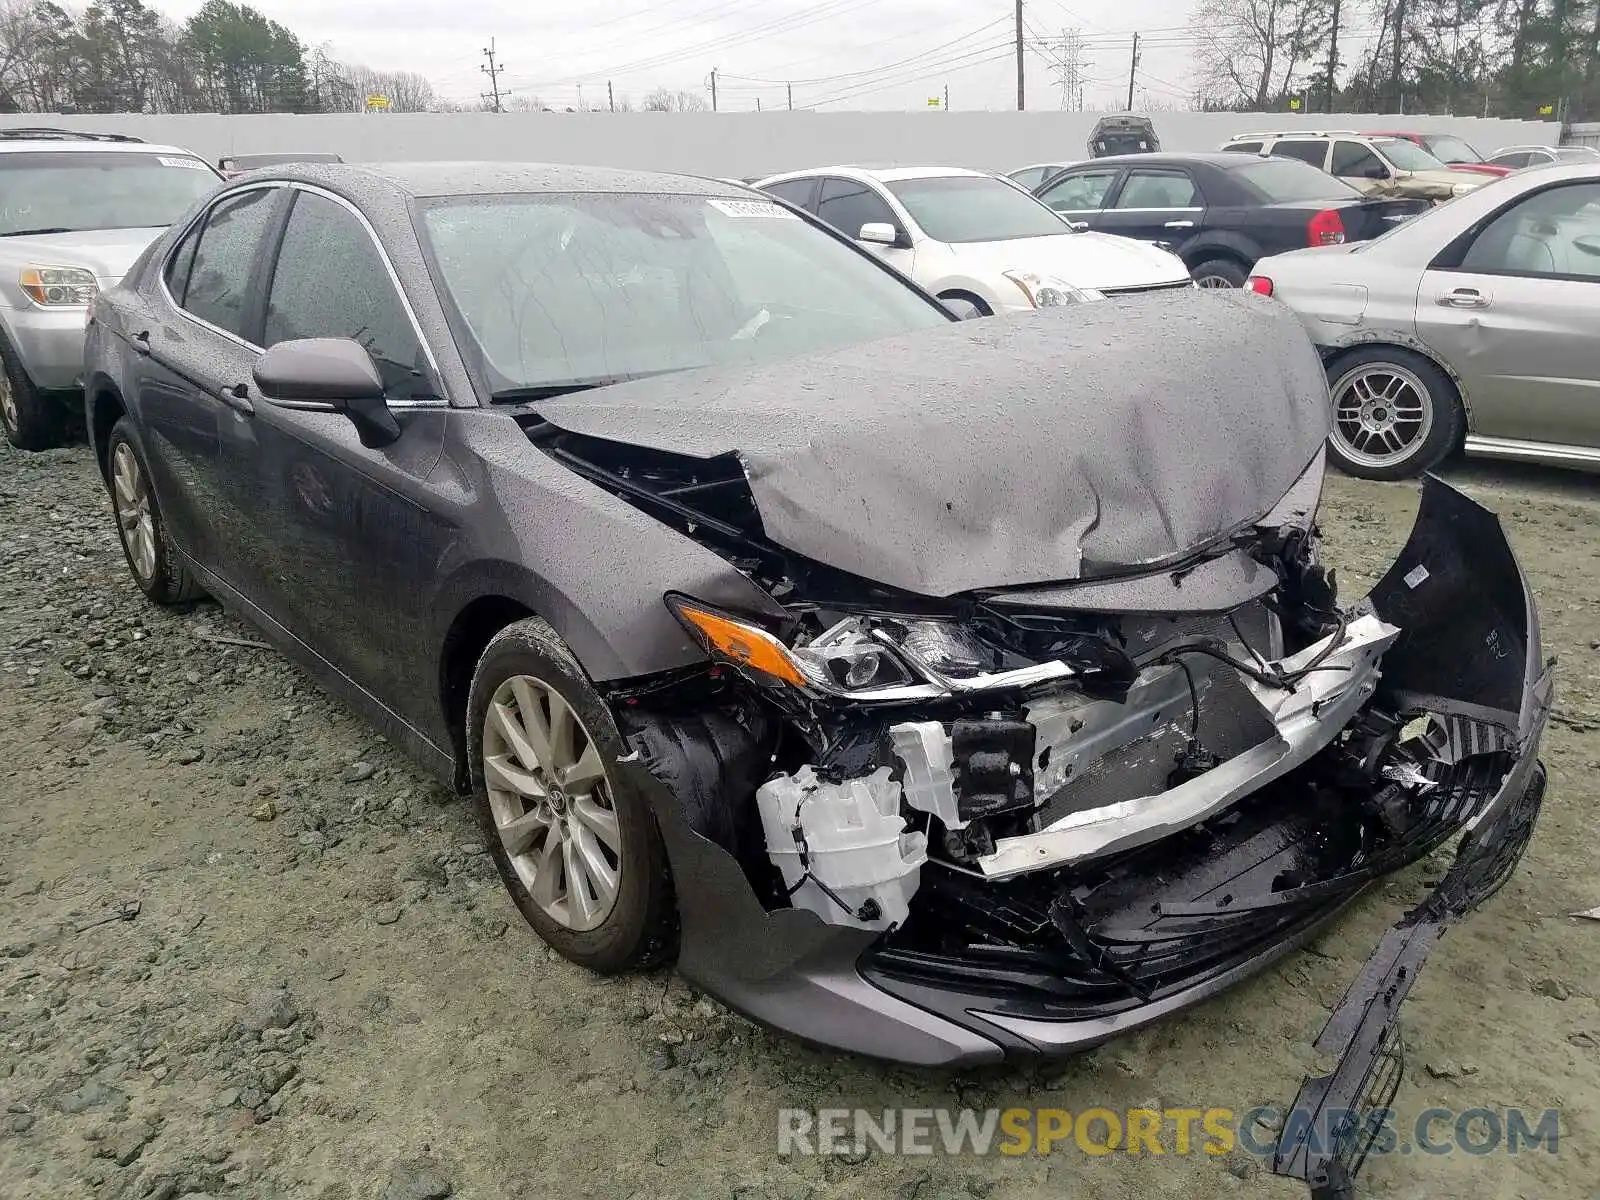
752, 208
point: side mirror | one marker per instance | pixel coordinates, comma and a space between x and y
961, 310
879, 233
334, 371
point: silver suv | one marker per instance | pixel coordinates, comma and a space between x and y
1379, 165
76, 209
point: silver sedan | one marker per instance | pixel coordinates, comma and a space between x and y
1469, 327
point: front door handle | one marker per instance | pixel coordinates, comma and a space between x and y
237, 398
1464, 298
141, 342
1179, 225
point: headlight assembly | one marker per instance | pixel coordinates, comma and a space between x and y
1050, 291
867, 660
58, 287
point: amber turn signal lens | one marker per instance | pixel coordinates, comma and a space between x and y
743, 644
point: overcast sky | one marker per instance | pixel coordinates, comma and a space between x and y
841, 54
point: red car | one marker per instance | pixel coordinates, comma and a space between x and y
1450, 150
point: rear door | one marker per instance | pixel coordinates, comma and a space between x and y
1155, 204
1082, 194
1514, 310
352, 530
196, 342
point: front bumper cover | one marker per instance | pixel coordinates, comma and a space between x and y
1228, 898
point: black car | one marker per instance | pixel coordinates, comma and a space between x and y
756, 604
1220, 212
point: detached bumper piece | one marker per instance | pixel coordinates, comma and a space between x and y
1476, 653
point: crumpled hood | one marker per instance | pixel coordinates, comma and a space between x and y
1046, 447
107, 252
1085, 260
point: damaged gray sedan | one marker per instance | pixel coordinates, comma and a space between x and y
942, 691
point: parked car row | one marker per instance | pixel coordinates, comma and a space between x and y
918, 684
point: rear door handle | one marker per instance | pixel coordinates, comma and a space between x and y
1464, 298
1179, 225
237, 398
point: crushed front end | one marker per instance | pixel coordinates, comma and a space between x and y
1022, 821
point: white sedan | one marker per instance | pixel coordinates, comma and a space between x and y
965, 235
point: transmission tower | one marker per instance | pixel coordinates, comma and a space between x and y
1069, 69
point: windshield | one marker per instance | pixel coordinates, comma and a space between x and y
558, 290
1288, 181
1448, 149
68, 191
1408, 156
975, 208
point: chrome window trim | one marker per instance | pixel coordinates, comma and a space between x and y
383, 257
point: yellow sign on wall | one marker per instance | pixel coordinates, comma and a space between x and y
1294, 104
377, 102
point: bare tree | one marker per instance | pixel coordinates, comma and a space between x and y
667, 100
1251, 51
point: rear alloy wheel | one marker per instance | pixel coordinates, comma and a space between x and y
1395, 414
576, 844
156, 567
1218, 273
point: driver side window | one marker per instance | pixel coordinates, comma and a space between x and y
1080, 193
1352, 160
330, 281
1553, 233
848, 205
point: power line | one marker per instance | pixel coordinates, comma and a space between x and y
493, 72
959, 62
874, 70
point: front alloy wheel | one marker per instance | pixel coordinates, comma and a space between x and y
573, 836
552, 803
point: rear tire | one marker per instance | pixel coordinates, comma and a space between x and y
576, 845
1396, 414
1218, 273
30, 421
156, 566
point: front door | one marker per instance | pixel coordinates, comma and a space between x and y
1081, 195
847, 205
190, 348
1515, 317
354, 529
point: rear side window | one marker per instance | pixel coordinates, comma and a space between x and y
178, 266
1284, 181
330, 281
218, 288
1158, 189
1307, 150
795, 191
1514, 160
1243, 147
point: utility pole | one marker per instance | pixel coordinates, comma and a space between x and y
947, 97
1022, 95
1333, 54
611, 97
713, 89
1394, 62
1070, 65
790, 88
1133, 69
493, 71
758, 103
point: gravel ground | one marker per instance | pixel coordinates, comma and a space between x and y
247, 950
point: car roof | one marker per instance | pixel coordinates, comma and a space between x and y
56, 146
1223, 159
432, 179
885, 174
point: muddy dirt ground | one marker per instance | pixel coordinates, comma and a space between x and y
247, 950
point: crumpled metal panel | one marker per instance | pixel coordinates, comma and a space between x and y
1055, 445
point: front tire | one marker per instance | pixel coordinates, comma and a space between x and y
1395, 413
1218, 273
576, 845
30, 421
154, 562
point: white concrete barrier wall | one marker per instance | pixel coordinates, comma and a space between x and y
732, 144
